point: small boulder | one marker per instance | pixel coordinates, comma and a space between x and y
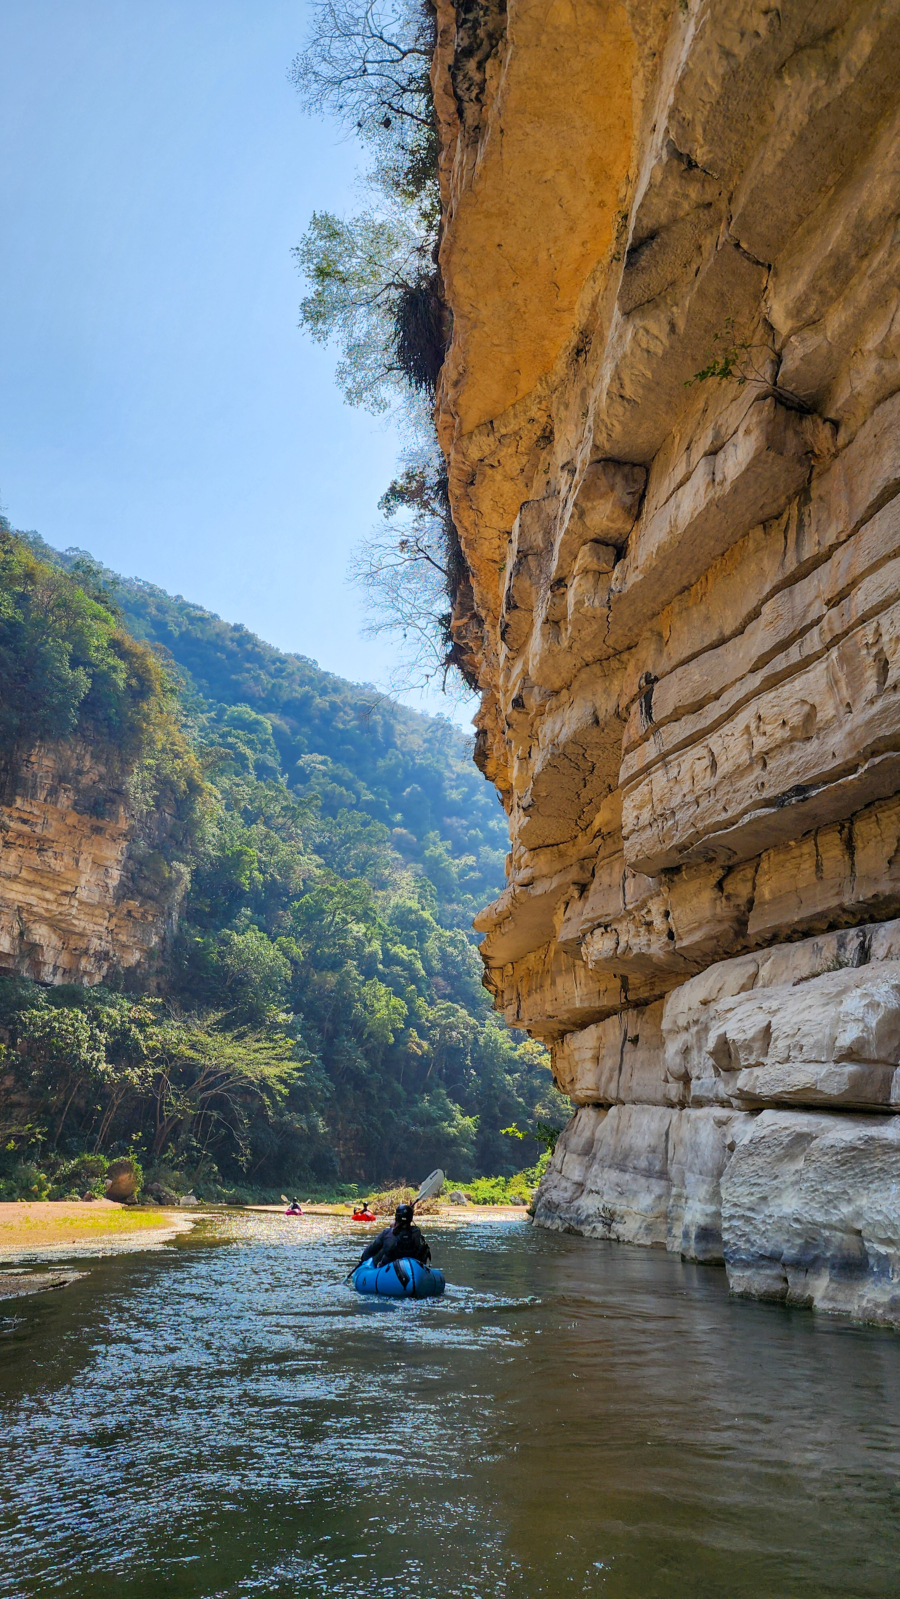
162, 1194
459, 1198
188, 1199
121, 1181
518, 1199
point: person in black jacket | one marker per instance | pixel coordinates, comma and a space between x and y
402, 1241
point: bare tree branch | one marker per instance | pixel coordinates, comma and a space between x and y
367, 58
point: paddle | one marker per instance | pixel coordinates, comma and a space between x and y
432, 1185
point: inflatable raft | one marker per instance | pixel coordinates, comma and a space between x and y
422, 1282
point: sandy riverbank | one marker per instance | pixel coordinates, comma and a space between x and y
48, 1226
44, 1231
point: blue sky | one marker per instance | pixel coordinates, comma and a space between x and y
160, 406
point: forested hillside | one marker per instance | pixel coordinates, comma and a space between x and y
320, 1017
348, 744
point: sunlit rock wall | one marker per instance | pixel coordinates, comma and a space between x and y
686, 598
84, 888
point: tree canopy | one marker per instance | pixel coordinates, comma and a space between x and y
70, 669
322, 1017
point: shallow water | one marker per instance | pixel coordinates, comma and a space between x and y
220, 1419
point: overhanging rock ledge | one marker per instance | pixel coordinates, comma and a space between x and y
688, 595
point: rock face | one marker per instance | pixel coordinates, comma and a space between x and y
83, 886
684, 609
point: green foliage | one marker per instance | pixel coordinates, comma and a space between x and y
23, 1179
745, 361
360, 271
112, 1075
252, 971
317, 923
373, 284
323, 1017
65, 664
542, 1132
69, 669
503, 1190
405, 781
729, 360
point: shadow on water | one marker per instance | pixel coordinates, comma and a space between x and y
222, 1420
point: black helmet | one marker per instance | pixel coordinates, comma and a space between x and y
403, 1216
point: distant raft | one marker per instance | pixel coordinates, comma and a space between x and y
400, 1279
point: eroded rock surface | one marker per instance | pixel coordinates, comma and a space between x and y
809, 1213
84, 888
684, 604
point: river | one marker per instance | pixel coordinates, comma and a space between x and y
220, 1419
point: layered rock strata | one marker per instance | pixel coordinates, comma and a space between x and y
84, 887
671, 414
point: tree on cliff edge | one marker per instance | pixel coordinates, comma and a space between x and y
375, 290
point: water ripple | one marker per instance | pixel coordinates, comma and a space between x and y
224, 1420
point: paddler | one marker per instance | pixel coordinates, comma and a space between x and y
402, 1241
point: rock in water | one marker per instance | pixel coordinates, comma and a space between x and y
17, 1285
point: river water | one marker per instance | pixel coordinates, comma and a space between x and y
220, 1419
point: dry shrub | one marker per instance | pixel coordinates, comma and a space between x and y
385, 1203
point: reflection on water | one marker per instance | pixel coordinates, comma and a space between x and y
223, 1420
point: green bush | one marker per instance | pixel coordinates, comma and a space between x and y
25, 1180
502, 1190
84, 1175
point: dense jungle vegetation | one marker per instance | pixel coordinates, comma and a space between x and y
320, 1018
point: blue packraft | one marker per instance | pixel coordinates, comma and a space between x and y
422, 1282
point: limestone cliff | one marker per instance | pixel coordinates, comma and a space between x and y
84, 886
685, 603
